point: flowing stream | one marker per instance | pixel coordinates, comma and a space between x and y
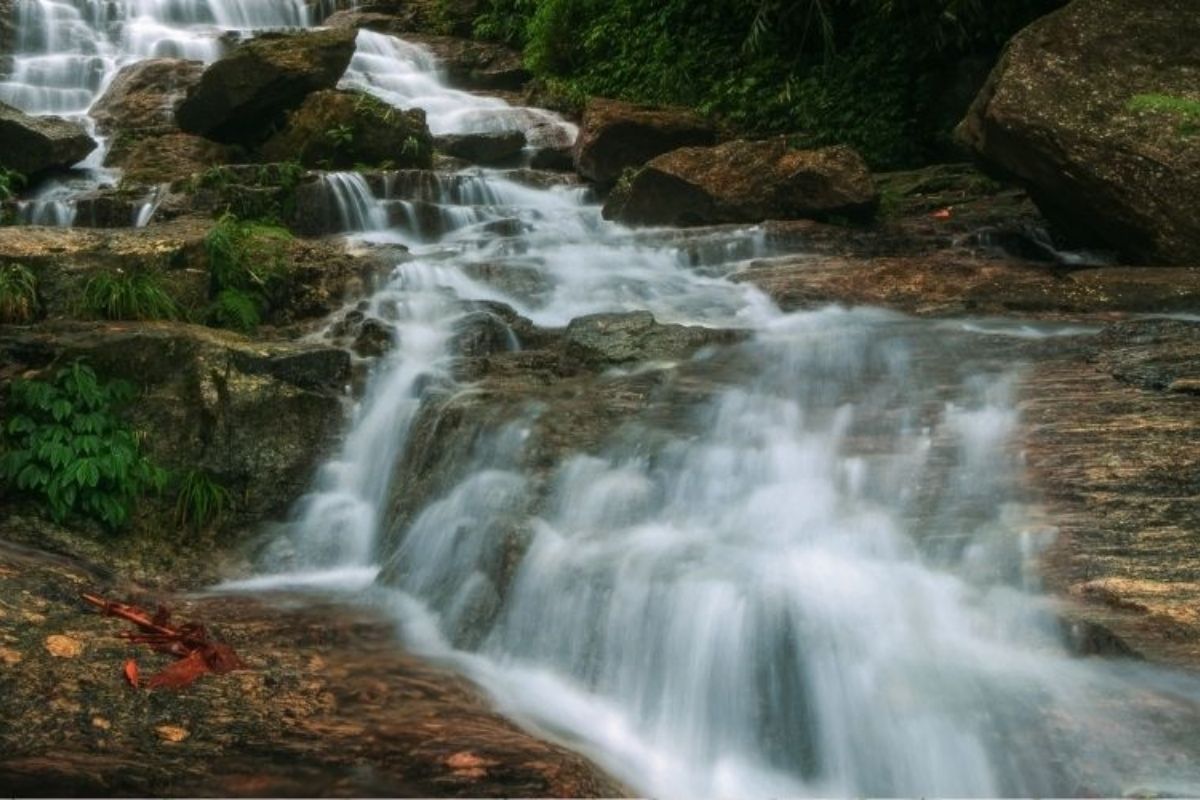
804, 565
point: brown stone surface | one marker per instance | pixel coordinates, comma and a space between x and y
1113, 446
1056, 113
329, 706
745, 181
615, 136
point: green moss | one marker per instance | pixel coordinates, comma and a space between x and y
1184, 110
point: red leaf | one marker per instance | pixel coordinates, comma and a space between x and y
131, 673
181, 674
941, 213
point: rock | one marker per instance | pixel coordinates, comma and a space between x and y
142, 97
332, 703
246, 94
615, 136
953, 283
30, 145
61, 646
1114, 455
557, 159
483, 148
603, 340
339, 130
165, 158
1061, 113
744, 181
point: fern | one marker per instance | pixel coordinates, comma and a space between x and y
236, 310
246, 266
64, 444
121, 295
202, 501
18, 295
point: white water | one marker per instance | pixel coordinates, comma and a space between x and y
816, 581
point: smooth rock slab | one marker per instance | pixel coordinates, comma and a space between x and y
30, 144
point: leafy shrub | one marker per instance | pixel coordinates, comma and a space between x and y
202, 500
870, 73
135, 295
247, 267
64, 444
18, 294
11, 182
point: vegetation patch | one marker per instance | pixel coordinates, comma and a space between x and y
133, 295
19, 302
874, 74
64, 445
1184, 110
247, 270
201, 501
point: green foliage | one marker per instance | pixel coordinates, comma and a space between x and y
247, 265
18, 295
201, 500
266, 193
135, 295
63, 444
340, 135
11, 182
870, 73
1187, 111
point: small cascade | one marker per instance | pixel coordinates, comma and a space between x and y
354, 208
406, 75
68, 51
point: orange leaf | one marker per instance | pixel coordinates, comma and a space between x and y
131, 672
941, 213
181, 674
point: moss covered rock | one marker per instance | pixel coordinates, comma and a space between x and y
339, 130
1096, 108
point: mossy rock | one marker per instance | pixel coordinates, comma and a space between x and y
341, 130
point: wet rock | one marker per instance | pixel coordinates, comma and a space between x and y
1079, 109
142, 96
246, 94
744, 181
559, 159
340, 130
1114, 455
330, 705
615, 136
31, 145
164, 158
483, 148
950, 282
601, 340
407, 17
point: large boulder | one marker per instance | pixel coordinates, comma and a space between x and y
246, 95
615, 136
1094, 108
31, 144
483, 148
745, 181
337, 130
165, 158
143, 96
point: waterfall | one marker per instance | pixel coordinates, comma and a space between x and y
814, 578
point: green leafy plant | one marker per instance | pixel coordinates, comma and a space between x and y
18, 294
247, 266
64, 444
134, 295
340, 135
201, 500
1187, 111
11, 182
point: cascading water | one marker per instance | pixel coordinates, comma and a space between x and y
68, 51
813, 581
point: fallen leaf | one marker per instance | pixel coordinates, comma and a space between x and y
941, 213
172, 733
64, 646
131, 672
182, 673
9, 657
101, 723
